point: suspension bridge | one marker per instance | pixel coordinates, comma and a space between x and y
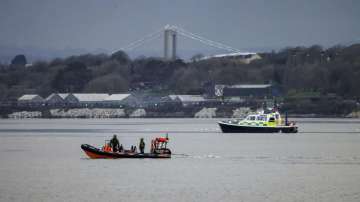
170, 34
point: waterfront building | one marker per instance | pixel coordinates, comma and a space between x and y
30, 100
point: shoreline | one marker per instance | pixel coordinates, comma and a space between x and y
113, 113
297, 116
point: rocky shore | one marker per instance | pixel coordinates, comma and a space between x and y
354, 114
25, 115
206, 113
87, 113
143, 113
122, 113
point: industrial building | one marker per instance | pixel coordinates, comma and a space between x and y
30, 100
243, 91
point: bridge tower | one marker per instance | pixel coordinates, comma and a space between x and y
170, 37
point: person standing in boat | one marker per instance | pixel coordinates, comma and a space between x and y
142, 145
114, 143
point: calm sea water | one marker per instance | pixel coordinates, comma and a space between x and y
41, 160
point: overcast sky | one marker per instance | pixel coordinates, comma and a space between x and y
112, 24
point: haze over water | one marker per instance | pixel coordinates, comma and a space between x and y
41, 160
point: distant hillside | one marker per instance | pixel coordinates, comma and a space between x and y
335, 70
33, 54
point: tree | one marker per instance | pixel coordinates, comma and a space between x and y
121, 57
73, 78
111, 66
196, 57
3, 90
19, 60
111, 83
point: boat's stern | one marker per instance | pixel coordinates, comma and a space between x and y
289, 129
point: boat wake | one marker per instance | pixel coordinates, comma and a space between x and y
205, 156
315, 160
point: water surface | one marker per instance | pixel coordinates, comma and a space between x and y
41, 160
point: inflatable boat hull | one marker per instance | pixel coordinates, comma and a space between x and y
95, 153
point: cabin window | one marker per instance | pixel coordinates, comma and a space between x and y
261, 118
277, 116
251, 118
272, 119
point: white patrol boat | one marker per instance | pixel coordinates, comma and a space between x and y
262, 122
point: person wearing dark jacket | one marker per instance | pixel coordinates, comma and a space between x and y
114, 143
142, 145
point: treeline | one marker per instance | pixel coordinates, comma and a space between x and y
296, 71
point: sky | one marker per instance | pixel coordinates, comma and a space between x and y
112, 24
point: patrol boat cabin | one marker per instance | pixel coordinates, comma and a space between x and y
261, 122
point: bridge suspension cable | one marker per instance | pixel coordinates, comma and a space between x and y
182, 32
143, 40
204, 40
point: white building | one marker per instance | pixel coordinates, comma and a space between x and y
86, 99
55, 99
243, 57
63, 95
121, 100
187, 100
30, 100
